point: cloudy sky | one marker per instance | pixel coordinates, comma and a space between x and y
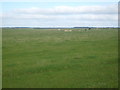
51, 13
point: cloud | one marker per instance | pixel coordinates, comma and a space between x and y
60, 10
62, 16
83, 17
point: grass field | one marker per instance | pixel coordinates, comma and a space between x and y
0, 58
48, 58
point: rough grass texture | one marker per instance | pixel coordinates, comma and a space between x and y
48, 58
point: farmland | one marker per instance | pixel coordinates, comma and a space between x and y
48, 58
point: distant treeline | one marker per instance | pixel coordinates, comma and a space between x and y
84, 27
95, 27
58, 27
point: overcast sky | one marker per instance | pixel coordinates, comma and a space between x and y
59, 13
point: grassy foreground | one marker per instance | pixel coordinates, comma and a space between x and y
46, 58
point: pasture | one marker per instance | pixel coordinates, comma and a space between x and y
51, 58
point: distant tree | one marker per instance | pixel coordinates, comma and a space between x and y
89, 28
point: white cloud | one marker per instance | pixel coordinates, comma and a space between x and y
62, 16
84, 17
112, 9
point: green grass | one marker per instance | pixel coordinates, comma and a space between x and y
46, 58
0, 58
